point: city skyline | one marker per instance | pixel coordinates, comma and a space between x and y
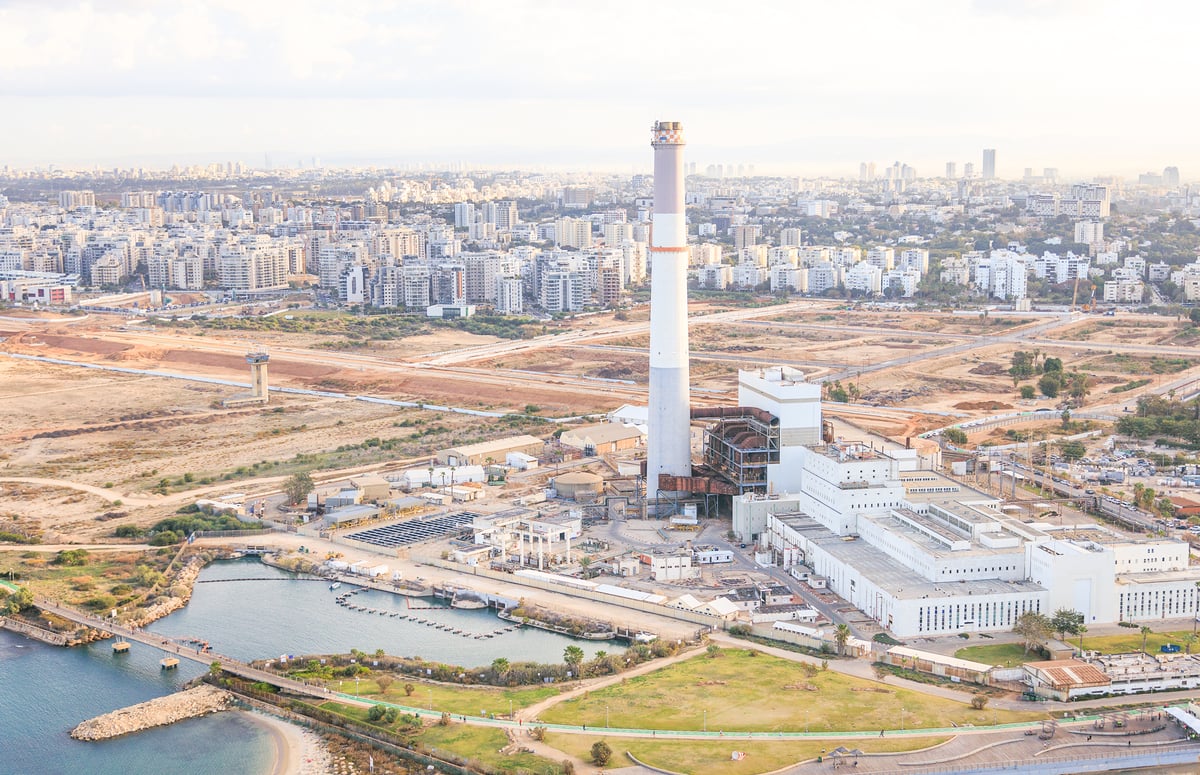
534, 84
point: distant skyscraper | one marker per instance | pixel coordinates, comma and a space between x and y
951, 170
1050, 174
1170, 177
968, 170
989, 163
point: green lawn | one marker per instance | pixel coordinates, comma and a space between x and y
458, 700
761, 693
483, 744
479, 744
702, 757
1002, 654
1013, 654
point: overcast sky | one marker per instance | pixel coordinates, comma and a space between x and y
1090, 87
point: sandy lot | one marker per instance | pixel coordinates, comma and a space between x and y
116, 437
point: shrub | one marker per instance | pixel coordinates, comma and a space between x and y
601, 753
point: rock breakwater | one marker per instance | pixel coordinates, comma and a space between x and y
158, 712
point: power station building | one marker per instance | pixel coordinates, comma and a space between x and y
921, 553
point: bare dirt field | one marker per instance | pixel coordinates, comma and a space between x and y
148, 440
1133, 329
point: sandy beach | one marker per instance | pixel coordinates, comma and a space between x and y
297, 750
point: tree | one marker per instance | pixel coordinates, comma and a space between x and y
601, 753
1066, 419
1049, 385
1077, 385
1022, 365
1145, 632
1027, 392
841, 634
500, 666
409, 689
1072, 450
979, 701
298, 486
1034, 629
1189, 640
383, 682
72, 557
713, 650
955, 436
1066, 621
214, 668
573, 656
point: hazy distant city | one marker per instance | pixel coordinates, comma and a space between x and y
460, 243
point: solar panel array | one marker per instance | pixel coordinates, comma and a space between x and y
414, 530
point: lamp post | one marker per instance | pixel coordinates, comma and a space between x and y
606, 717
431, 700
705, 711
902, 719
355, 686
510, 710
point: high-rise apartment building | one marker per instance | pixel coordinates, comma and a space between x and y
989, 163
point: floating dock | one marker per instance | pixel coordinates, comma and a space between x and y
169, 663
121, 647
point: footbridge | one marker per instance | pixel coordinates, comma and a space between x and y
179, 647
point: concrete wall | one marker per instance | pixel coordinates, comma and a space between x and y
600, 597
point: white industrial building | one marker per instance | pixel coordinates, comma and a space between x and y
532, 538
919, 552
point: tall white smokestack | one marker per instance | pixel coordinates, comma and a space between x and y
670, 449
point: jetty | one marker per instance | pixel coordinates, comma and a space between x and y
33, 631
156, 713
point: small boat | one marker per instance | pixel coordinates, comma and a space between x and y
335, 585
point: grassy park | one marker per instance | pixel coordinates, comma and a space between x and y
703, 757
456, 700
742, 691
480, 745
1014, 654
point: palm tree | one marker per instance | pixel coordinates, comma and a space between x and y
841, 634
1145, 631
1082, 630
500, 666
573, 656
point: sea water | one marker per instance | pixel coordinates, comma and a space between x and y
46, 690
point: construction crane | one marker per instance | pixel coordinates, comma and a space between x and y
1075, 294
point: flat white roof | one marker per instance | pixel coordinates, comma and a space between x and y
941, 659
1185, 718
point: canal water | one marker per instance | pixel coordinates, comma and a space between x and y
46, 690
